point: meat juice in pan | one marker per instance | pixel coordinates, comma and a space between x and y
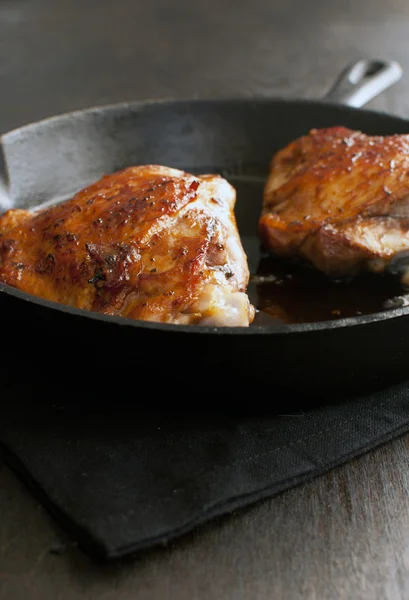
280, 289
335, 208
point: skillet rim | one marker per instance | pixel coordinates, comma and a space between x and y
245, 99
273, 329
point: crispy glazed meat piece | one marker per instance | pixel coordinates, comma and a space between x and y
339, 200
148, 242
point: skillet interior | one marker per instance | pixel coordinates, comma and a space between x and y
48, 161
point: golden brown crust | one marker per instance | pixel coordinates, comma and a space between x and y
328, 182
140, 243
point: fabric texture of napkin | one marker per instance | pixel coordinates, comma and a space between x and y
121, 479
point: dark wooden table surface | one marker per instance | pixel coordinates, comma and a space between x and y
344, 535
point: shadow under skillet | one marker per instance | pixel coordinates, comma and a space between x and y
28, 391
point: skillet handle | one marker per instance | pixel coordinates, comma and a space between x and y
364, 80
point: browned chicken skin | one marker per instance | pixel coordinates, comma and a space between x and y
339, 199
148, 242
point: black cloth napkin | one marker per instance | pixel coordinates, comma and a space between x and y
121, 479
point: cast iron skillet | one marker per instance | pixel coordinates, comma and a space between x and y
48, 161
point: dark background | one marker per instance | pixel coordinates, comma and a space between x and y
67, 54
345, 534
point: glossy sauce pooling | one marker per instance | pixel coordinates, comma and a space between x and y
299, 294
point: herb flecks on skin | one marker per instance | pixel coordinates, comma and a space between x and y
99, 276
